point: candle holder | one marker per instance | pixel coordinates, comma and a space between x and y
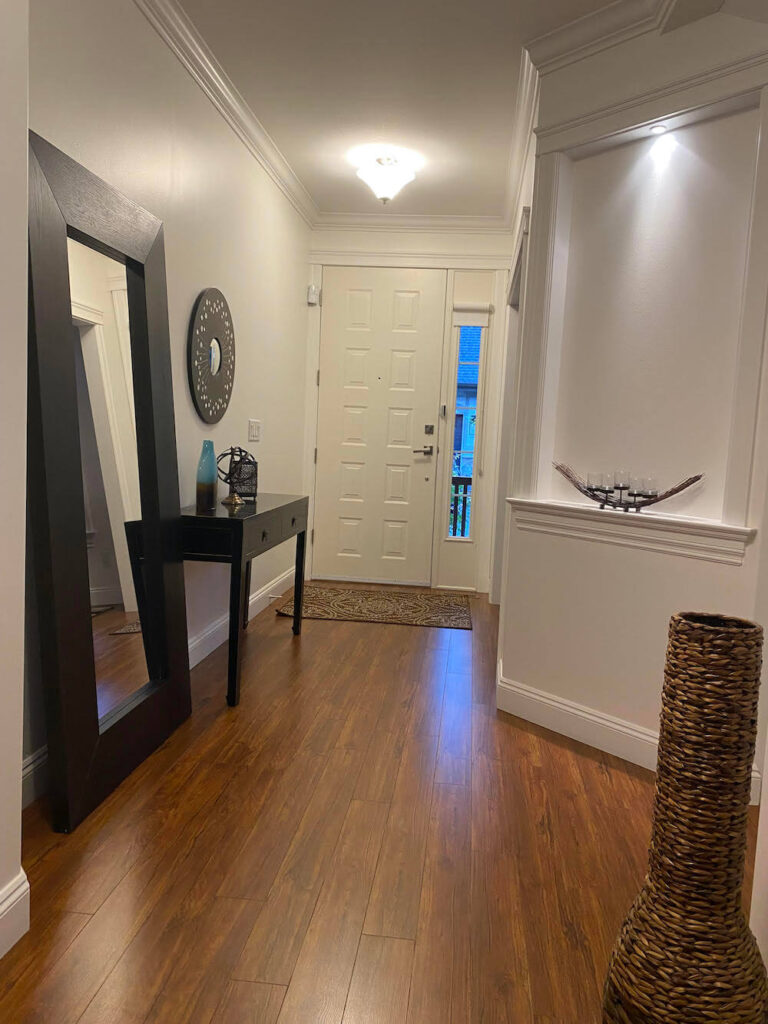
623, 496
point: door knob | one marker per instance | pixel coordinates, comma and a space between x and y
428, 449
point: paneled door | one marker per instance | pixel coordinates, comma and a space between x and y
381, 346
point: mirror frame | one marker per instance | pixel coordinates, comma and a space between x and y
87, 757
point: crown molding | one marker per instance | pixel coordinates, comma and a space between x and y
526, 111
179, 33
615, 23
683, 12
412, 222
689, 94
428, 260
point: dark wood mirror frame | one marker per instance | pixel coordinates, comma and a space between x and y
87, 757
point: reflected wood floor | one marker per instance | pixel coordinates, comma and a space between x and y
120, 662
365, 840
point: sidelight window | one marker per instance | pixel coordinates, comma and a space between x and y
464, 428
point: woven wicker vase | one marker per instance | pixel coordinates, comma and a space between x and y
685, 953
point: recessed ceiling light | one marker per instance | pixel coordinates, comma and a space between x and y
385, 169
658, 129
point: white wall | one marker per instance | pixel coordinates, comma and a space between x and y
106, 89
645, 315
658, 245
14, 890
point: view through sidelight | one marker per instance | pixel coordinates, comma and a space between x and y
464, 427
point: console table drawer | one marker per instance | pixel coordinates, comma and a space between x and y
294, 521
264, 533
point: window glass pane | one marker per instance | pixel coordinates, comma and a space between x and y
467, 376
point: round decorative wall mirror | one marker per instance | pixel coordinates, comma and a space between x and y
211, 355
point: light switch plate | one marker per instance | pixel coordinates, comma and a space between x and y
254, 430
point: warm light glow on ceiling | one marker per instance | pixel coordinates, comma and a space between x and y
385, 169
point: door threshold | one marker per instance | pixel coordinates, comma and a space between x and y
357, 579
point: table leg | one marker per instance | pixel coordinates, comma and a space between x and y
298, 587
236, 599
247, 601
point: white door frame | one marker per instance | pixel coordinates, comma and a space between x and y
122, 505
322, 259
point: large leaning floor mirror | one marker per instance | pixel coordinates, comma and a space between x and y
103, 483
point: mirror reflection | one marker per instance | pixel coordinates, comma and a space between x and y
214, 356
110, 471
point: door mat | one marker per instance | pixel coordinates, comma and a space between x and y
403, 607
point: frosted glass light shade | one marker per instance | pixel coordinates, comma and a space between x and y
385, 177
385, 169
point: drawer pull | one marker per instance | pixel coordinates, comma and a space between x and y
264, 535
293, 521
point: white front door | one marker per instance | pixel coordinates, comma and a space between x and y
381, 344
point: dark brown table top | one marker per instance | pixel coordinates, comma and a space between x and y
263, 503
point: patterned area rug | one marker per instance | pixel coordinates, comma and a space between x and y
132, 627
404, 607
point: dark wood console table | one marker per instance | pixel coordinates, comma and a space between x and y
236, 537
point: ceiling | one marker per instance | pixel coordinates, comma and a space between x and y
437, 76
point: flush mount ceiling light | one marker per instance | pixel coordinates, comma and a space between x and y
658, 129
385, 169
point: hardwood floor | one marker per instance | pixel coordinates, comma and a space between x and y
364, 840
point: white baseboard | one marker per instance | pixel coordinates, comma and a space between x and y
14, 911
215, 634
34, 773
105, 595
616, 736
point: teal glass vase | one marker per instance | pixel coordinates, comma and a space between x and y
206, 479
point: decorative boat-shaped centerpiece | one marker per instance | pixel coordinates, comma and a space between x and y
622, 491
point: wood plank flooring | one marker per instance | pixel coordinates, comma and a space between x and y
364, 840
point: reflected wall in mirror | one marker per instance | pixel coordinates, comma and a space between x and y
110, 469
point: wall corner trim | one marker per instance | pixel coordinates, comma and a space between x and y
173, 26
14, 911
651, 531
616, 736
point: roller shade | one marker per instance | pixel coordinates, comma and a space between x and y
472, 314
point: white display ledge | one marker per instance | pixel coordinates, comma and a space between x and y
652, 531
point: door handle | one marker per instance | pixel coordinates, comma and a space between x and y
428, 449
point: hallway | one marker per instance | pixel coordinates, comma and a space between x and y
364, 840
